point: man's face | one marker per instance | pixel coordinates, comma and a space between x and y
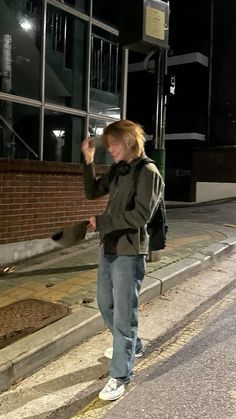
118, 150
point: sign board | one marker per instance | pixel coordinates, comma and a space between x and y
144, 24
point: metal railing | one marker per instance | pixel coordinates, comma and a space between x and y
104, 64
10, 146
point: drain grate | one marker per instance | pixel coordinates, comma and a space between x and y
24, 317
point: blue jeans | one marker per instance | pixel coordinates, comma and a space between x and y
118, 284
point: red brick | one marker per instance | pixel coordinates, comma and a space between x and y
33, 205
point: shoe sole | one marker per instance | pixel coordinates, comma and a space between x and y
111, 399
139, 355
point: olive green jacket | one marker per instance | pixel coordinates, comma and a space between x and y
123, 231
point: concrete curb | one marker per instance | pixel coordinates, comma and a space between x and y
13, 253
32, 352
179, 204
161, 280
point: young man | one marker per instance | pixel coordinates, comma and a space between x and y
124, 242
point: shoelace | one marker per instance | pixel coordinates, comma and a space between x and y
112, 384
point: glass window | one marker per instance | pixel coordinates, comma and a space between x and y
82, 5
66, 58
107, 11
20, 46
63, 134
96, 127
19, 131
105, 72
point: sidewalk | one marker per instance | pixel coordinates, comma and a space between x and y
68, 277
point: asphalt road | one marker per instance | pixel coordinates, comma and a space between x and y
189, 369
221, 213
195, 374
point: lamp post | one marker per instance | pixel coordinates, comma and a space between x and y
60, 142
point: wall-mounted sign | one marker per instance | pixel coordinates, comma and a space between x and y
155, 23
150, 24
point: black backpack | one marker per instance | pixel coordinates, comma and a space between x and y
157, 227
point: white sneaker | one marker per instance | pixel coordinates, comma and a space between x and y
113, 390
109, 353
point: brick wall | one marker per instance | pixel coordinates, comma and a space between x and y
38, 198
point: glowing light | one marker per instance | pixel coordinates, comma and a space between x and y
99, 131
25, 24
58, 133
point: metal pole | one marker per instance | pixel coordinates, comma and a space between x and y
158, 152
43, 66
156, 130
124, 83
163, 101
7, 111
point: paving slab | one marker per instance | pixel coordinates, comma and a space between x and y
69, 277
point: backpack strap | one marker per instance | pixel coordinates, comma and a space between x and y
138, 168
112, 172
131, 202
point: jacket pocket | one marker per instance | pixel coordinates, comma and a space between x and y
112, 240
129, 239
128, 244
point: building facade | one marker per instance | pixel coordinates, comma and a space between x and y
200, 130
201, 135
64, 75
61, 78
